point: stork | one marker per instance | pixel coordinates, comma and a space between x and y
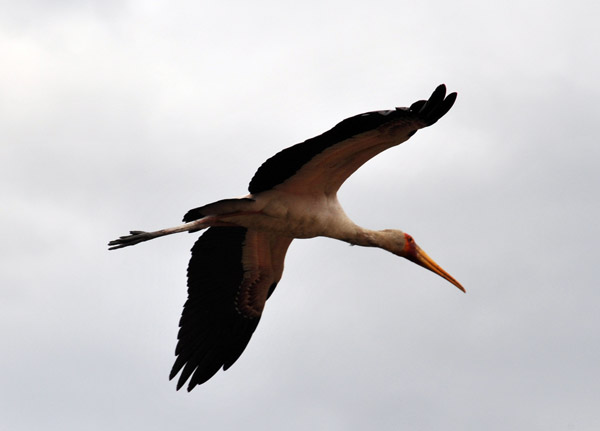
237, 263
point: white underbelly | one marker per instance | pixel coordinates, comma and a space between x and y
297, 217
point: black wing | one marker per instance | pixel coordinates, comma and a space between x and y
231, 274
325, 161
212, 333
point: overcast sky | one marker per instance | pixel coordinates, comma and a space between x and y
123, 115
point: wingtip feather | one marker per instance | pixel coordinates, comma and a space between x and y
436, 107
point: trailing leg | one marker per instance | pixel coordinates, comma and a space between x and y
137, 236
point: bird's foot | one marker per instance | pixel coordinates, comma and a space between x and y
136, 237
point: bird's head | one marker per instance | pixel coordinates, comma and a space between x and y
402, 244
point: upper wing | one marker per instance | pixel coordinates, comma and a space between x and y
323, 163
231, 274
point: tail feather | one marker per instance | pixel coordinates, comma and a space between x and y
219, 207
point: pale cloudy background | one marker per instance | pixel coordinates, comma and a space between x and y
123, 115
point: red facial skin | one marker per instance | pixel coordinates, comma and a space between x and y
410, 248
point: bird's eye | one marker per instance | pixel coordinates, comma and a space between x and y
409, 238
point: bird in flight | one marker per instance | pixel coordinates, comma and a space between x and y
238, 261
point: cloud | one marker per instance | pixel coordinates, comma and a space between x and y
119, 116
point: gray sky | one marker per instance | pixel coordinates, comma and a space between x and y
123, 115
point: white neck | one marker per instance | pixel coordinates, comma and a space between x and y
388, 239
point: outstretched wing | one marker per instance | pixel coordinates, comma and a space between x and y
323, 163
231, 274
